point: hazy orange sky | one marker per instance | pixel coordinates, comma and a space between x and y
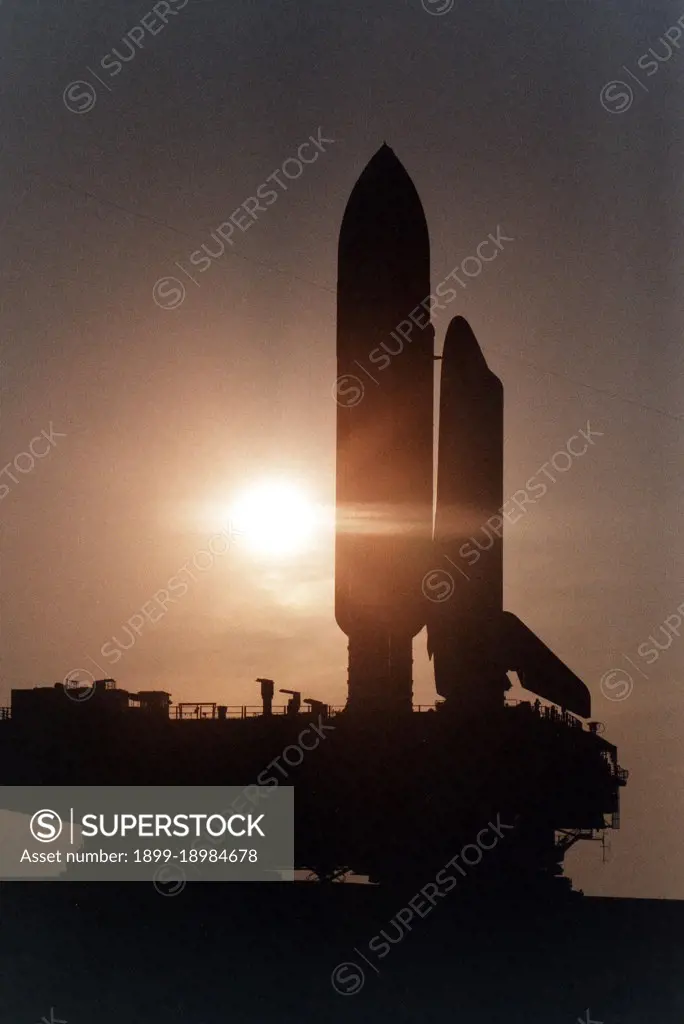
170, 413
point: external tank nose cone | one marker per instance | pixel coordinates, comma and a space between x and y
384, 165
384, 213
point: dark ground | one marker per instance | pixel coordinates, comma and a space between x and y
256, 954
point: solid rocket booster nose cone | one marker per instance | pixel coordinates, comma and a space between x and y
459, 323
461, 347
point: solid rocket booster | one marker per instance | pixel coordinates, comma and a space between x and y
464, 632
384, 393
472, 640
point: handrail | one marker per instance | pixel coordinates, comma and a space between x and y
551, 712
187, 711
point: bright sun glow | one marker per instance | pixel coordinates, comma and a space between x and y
274, 518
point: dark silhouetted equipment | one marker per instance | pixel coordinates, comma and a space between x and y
317, 707
540, 671
295, 701
267, 686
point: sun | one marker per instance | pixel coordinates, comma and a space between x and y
274, 518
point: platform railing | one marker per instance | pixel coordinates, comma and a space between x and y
188, 710
191, 710
550, 712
